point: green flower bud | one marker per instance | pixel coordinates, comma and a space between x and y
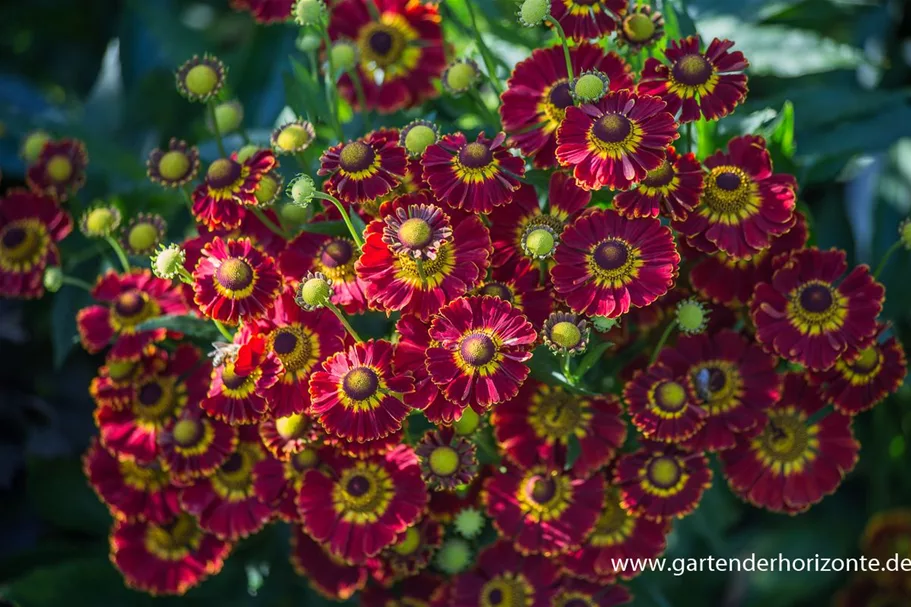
228, 116
310, 12
315, 291
33, 144
168, 261
460, 76
53, 279
454, 556
302, 190
590, 86
533, 12
417, 136
692, 317
246, 152
100, 221
344, 55
469, 523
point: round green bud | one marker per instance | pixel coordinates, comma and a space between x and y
201, 80
468, 423
302, 190
100, 221
418, 138
533, 12
343, 55
444, 461
143, 236
186, 431
293, 213
315, 292
53, 279
589, 87
460, 76
639, 27
173, 165
540, 242
469, 523
692, 317
228, 116
904, 233
293, 137
33, 144
267, 190
309, 42
245, 153
408, 544
59, 168
168, 262
566, 335
309, 12
454, 556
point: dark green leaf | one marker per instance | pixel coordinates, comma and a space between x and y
594, 353
188, 325
330, 228
573, 451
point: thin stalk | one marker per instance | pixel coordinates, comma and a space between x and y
559, 29
567, 368
330, 87
542, 271
119, 251
885, 260
345, 217
420, 265
689, 138
77, 282
269, 223
221, 144
223, 330
359, 91
667, 333
489, 116
338, 314
485, 52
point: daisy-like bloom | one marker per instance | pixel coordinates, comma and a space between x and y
327, 574
201, 78
400, 51
586, 19
664, 406
618, 536
175, 166
796, 459
418, 231
230, 184
357, 396
130, 490
541, 510
332, 256
725, 280
410, 554
301, 341
194, 444
734, 381
239, 388
395, 282
512, 225
286, 436
523, 289
480, 346
277, 482
225, 503
697, 84
410, 357
538, 93
565, 333
235, 280
166, 558
642, 26
131, 432
447, 460
292, 137
503, 576
472, 175
31, 225
116, 382
661, 482
744, 205
365, 505
861, 382
812, 313
617, 141
672, 190
59, 170
366, 168
607, 263
541, 422
575, 593
142, 235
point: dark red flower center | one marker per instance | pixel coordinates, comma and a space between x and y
358, 486
234, 274
284, 342
728, 181
660, 177
478, 349
233, 463
336, 253
381, 42
356, 156
149, 394
130, 303
360, 383
716, 380
542, 489
223, 172
816, 299
497, 289
611, 255
692, 70
13, 237
612, 128
560, 96
475, 155
495, 596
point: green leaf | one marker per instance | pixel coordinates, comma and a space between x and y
329, 228
782, 135
677, 22
188, 325
573, 451
67, 302
592, 356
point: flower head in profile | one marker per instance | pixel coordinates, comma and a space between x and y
364, 169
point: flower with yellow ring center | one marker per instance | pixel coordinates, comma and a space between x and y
817, 308
787, 444
408, 544
59, 168
614, 525
234, 278
362, 493
233, 480
23, 244
614, 263
543, 496
664, 476
173, 165
507, 590
555, 416
175, 540
614, 136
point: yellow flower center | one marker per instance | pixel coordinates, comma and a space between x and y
477, 349
173, 165
692, 70
415, 233
555, 415
461, 75
100, 221
223, 173
22, 244
408, 544
234, 274
729, 193
670, 396
444, 461
638, 27
360, 383
468, 423
294, 346
785, 440
293, 137
507, 590
566, 334
59, 168
362, 493
175, 540
187, 432
201, 80
356, 156
143, 237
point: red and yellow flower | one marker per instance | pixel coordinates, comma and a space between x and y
503, 576
116, 382
411, 357
607, 263
193, 444
447, 460
332, 256
617, 141
673, 189
812, 313
574, 593
694, 83
366, 168
797, 458
175, 166
239, 387
664, 406
538, 93
229, 186
277, 482
31, 225
327, 574
59, 170
409, 556
286, 436
586, 19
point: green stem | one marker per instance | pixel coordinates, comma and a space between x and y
223, 330
542, 270
338, 314
567, 371
120, 254
77, 282
185, 276
341, 209
489, 116
689, 137
485, 52
667, 333
268, 222
420, 265
885, 260
330, 87
221, 144
359, 91
314, 67
559, 29
188, 196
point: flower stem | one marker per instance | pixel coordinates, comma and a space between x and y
559, 29
567, 370
268, 222
223, 330
341, 209
485, 52
885, 260
542, 270
184, 275
119, 251
489, 116
188, 196
218, 141
330, 87
420, 265
77, 282
689, 137
341, 316
359, 91
667, 333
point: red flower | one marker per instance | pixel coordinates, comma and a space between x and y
616, 142
286, 436
400, 50
673, 189
607, 263
481, 343
365, 505
229, 186
523, 289
664, 406
194, 444
744, 204
168, 558
266, 11
59, 170
130, 299
710, 83
409, 556
410, 357
579, 592
586, 19
366, 168
31, 225
356, 395
811, 313
795, 461
277, 482
116, 383
540, 423
332, 256
538, 93
476, 176
502, 576
447, 460
234, 280
327, 574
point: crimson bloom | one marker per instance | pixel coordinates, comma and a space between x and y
277, 482
480, 345
472, 175
229, 186
797, 459
410, 357
364, 506
194, 444
59, 170
503, 576
617, 141
696, 83
332, 256
812, 313
326, 573
607, 263
31, 225
286, 436
356, 394
585, 19
409, 556
664, 406
365, 168
239, 386
673, 189
538, 93
116, 383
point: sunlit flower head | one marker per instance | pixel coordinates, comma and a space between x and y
365, 168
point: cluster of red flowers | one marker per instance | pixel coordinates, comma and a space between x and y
378, 452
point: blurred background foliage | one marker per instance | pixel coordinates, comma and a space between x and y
829, 85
